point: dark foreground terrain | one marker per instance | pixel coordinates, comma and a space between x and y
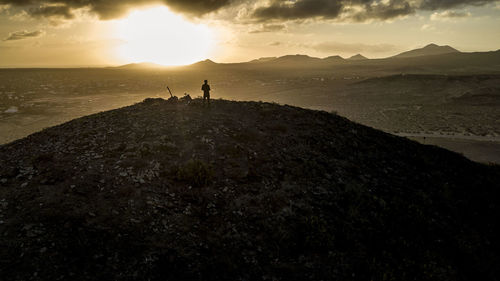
166, 190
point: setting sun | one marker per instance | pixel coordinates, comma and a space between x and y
157, 35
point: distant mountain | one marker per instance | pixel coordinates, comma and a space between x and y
334, 59
296, 59
432, 59
205, 63
292, 61
358, 57
264, 59
429, 50
142, 65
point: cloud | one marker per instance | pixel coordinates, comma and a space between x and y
338, 47
269, 28
353, 10
110, 9
256, 10
20, 35
4, 8
427, 27
52, 11
383, 11
446, 15
300, 9
433, 5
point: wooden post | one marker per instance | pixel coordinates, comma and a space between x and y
170, 92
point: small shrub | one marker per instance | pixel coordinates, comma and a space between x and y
196, 172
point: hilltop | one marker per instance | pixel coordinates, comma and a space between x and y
205, 63
357, 57
429, 50
168, 190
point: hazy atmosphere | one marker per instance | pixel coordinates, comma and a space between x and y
38, 33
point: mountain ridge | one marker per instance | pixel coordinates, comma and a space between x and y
357, 57
428, 50
423, 56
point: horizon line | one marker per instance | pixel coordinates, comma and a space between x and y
207, 59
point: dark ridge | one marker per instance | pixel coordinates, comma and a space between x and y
358, 57
263, 59
206, 62
429, 50
334, 59
296, 59
166, 190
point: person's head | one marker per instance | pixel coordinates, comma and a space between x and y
206, 81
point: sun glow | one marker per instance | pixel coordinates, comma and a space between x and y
157, 35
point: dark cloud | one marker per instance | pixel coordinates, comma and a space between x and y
109, 9
300, 9
279, 10
59, 11
197, 7
19, 35
393, 9
269, 28
432, 5
356, 10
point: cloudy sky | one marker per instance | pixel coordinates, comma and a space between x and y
173, 32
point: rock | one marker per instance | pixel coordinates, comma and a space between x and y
12, 109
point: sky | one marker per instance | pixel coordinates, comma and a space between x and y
85, 33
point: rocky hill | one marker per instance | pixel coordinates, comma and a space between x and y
171, 190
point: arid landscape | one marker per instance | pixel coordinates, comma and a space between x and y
450, 99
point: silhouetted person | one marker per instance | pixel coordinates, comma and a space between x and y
206, 92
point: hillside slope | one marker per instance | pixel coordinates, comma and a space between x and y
166, 190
